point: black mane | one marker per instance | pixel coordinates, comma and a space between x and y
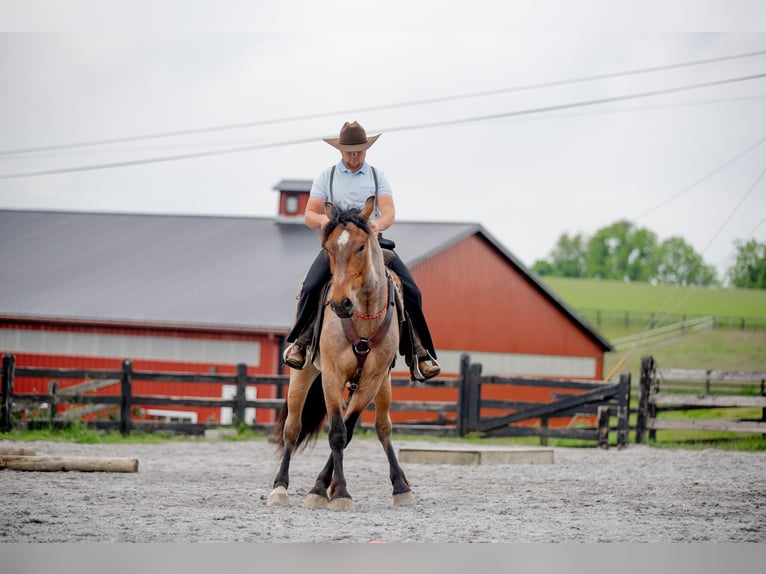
343, 216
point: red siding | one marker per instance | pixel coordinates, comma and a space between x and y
474, 300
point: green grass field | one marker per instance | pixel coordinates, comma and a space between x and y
619, 296
727, 349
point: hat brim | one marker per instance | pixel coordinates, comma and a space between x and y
335, 142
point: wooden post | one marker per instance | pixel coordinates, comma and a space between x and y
647, 366
6, 407
53, 389
544, 437
707, 382
763, 410
603, 427
623, 411
474, 395
462, 396
126, 402
239, 408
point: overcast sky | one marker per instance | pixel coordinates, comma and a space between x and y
494, 124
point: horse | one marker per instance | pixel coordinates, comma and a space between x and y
357, 346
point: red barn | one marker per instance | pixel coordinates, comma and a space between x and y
203, 293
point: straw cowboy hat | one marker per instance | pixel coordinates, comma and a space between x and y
352, 138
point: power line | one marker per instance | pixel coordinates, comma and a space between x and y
702, 179
411, 127
426, 101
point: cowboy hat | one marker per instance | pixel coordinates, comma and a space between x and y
352, 138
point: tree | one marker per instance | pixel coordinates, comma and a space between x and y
566, 259
677, 263
749, 269
621, 251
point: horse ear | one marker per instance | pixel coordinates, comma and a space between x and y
330, 209
369, 207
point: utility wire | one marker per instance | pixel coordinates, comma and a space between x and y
676, 287
702, 179
711, 241
426, 101
411, 127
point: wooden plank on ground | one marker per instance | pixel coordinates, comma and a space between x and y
473, 455
708, 400
68, 463
727, 425
17, 450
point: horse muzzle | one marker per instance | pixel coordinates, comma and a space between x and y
344, 310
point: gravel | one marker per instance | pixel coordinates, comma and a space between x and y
215, 491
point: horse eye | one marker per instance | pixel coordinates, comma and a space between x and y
361, 248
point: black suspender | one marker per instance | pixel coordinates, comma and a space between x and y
374, 177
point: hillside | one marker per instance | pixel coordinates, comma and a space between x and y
728, 348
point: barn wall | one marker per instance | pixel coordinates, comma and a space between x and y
477, 303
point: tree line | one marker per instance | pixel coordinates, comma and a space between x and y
628, 253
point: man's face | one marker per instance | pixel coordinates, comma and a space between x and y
353, 160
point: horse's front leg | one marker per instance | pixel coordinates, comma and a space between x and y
317, 496
340, 499
402, 494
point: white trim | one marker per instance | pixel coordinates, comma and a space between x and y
132, 347
168, 415
521, 364
227, 413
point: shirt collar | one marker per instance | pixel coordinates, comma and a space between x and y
342, 167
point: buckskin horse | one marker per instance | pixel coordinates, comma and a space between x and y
357, 347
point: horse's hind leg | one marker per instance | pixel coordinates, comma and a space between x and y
402, 494
300, 383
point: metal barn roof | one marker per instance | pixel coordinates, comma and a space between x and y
178, 270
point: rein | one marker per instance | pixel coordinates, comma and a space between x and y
362, 346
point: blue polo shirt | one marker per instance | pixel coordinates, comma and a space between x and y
349, 189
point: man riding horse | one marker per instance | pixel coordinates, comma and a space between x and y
348, 184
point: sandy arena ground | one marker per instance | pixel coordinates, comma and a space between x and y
215, 491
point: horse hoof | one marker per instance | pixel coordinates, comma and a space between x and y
404, 499
314, 500
278, 497
341, 504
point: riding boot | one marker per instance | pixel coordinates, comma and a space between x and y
423, 365
295, 355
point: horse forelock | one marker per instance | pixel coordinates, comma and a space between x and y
343, 217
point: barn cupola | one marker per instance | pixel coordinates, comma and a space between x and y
293, 196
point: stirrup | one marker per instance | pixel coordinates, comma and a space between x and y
417, 375
293, 364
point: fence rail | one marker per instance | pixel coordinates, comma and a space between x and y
660, 334
647, 320
592, 399
680, 390
579, 400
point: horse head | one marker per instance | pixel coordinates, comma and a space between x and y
355, 257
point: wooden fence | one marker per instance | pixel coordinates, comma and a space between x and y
678, 390
466, 415
589, 399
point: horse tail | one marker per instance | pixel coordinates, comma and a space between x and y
312, 417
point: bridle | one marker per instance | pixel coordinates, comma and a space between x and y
362, 346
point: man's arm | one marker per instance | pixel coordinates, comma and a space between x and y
387, 212
315, 216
